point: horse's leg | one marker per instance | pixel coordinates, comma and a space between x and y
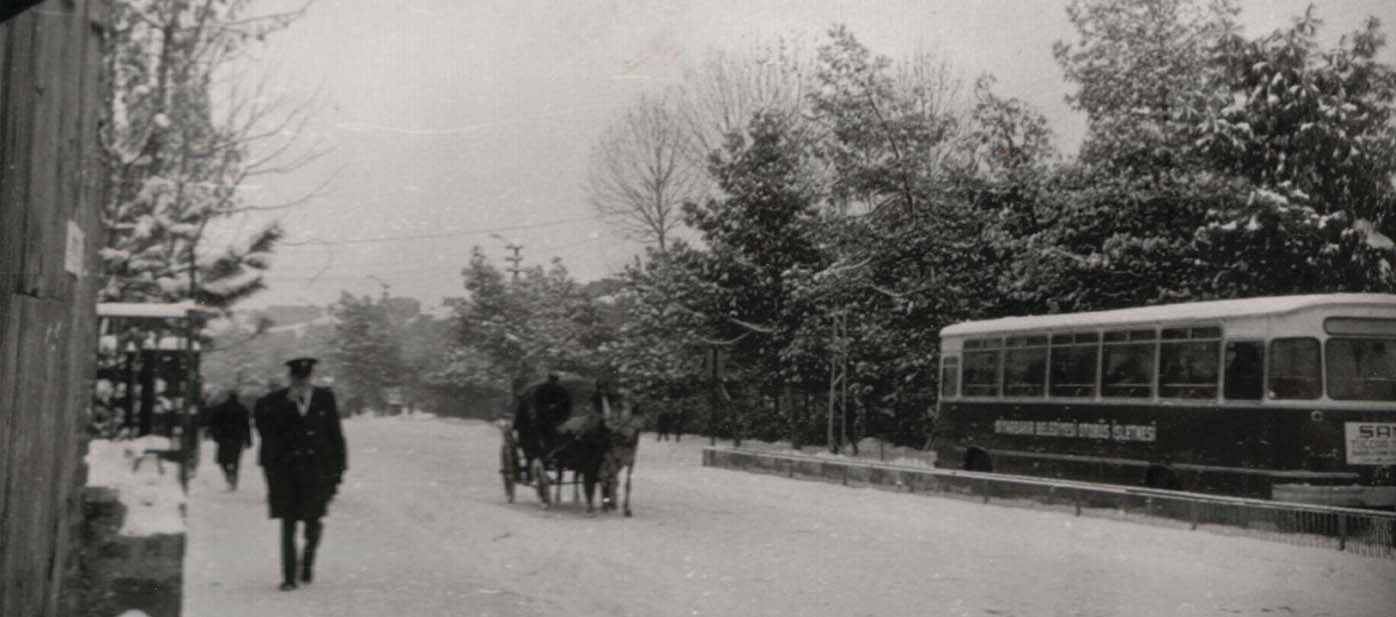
608, 488
557, 492
539, 477
613, 488
628, 469
575, 497
589, 478
601, 478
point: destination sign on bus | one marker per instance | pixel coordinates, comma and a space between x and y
1082, 430
1370, 443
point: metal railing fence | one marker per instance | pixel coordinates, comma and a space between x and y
1370, 533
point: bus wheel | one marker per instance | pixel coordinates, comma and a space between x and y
1162, 476
977, 459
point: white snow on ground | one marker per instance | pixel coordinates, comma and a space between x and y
869, 450
154, 501
421, 527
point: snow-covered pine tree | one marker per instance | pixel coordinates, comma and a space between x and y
179, 149
1310, 132
365, 352
1217, 165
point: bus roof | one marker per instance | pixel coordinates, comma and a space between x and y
1164, 313
146, 309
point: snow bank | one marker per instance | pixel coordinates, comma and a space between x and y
869, 451
154, 500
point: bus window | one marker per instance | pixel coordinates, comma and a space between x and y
981, 362
1127, 364
1244, 366
950, 376
1361, 326
1074, 359
1361, 369
1188, 366
1294, 369
1025, 366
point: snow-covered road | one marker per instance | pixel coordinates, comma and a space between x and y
422, 528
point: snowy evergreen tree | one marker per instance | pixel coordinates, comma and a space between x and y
1216, 166
509, 332
662, 313
366, 353
1138, 67
761, 231
179, 147
1310, 130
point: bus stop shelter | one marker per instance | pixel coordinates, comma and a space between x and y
147, 380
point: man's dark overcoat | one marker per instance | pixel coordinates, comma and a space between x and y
552, 404
230, 427
304, 457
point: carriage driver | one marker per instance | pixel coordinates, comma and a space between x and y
554, 406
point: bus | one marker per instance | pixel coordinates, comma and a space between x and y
1287, 398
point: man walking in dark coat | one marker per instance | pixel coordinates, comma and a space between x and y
304, 457
230, 426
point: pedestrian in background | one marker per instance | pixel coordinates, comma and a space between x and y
230, 426
677, 424
663, 424
304, 457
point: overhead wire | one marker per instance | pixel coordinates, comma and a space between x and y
444, 234
405, 270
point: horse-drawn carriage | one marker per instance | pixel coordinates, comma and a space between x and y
593, 440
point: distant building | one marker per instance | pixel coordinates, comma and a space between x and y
395, 401
290, 315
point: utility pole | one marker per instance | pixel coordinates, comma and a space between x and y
719, 400
384, 284
838, 383
515, 260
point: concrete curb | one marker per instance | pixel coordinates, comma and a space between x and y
847, 472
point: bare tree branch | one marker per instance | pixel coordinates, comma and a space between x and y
299, 201
640, 174
721, 94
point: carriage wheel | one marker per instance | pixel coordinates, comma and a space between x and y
540, 481
509, 470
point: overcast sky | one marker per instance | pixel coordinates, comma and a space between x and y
455, 118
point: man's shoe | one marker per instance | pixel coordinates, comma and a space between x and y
288, 586
305, 576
